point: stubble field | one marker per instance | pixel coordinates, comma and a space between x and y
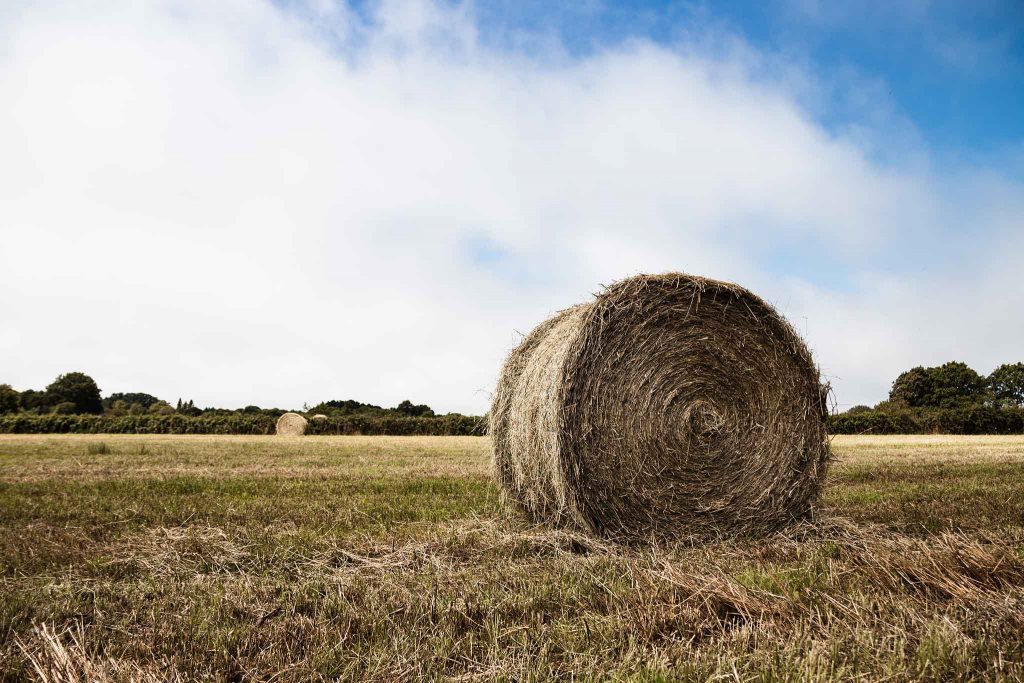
389, 558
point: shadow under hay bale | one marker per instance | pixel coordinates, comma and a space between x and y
670, 406
291, 424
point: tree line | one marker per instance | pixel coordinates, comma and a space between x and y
77, 393
950, 398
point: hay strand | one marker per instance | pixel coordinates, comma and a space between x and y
670, 406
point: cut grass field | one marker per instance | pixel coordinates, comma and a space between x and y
380, 558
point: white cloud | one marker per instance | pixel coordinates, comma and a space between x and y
238, 204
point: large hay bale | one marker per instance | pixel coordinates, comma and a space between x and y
291, 424
670, 406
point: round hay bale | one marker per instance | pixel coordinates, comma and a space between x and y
291, 424
319, 418
670, 406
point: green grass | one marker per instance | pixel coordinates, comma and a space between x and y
376, 558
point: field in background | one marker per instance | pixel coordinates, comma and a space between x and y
387, 558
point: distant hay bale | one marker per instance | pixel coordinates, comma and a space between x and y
319, 418
670, 406
291, 424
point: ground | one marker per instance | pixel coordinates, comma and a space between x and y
379, 558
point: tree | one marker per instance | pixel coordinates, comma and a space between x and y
955, 385
858, 409
1007, 384
951, 385
76, 388
143, 399
161, 408
408, 408
912, 388
65, 408
35, 401
188, 408
118, 408
347, 407
10, 399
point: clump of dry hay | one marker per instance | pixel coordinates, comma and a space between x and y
670, 406
291, 424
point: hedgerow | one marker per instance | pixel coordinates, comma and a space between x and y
23, 423
236, 423
970, 420
973, 420
441, 425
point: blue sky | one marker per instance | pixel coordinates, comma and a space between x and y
955, 69
289, 201
943, 77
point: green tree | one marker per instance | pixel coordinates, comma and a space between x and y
1007, 384
956, 385
117, 408
161, 408
35, 401
408, 408
347, 407
143, 399
912, 388
10, 400
65, 408
188, 408
76, 388
950, 385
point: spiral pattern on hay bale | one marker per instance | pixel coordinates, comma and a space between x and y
670, 406
291, 424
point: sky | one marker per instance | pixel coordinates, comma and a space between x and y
283, 202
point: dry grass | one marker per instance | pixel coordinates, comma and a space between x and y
63, 658
28, 457
249, 558
669, 406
